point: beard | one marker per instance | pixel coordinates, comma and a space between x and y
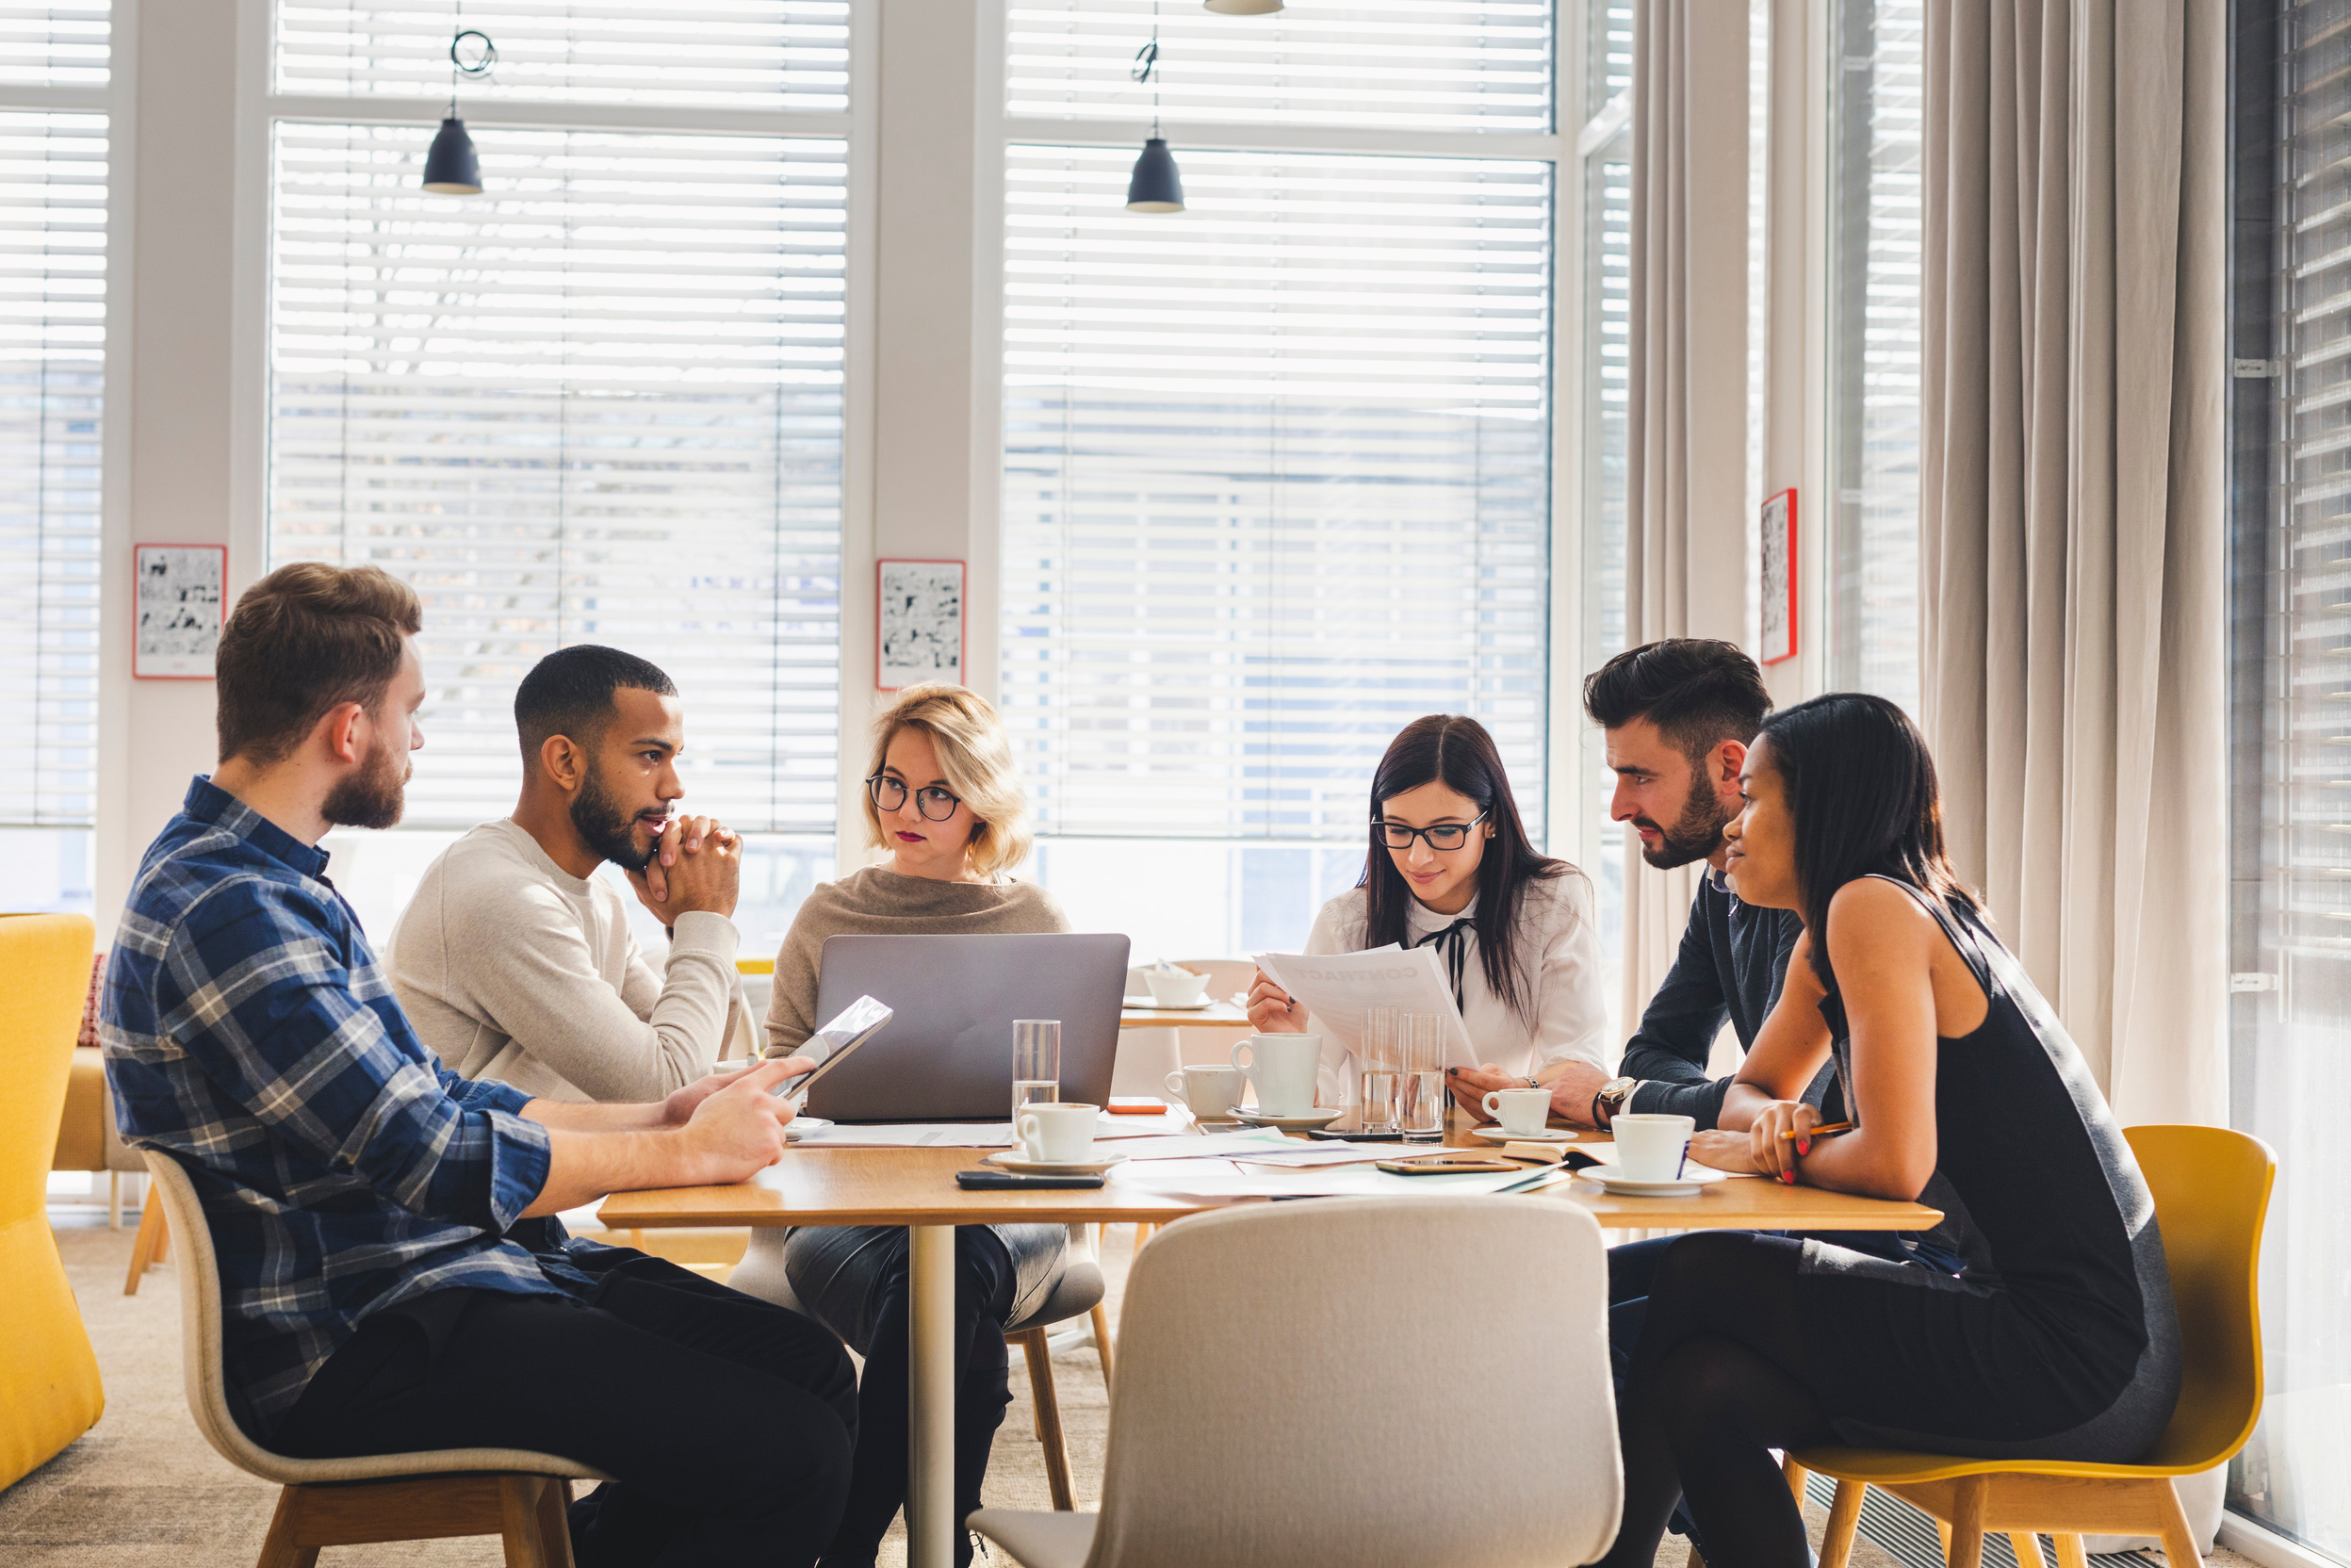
371, 798
604, 825
1695, 834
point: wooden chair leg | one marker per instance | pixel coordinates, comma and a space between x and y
114, 1199
555, 1522
1143, 1232
1049, 1417
147, 1246
2070, 1553
2027, 1546
1102, 1339
278, 1548
518, 1498
1028, 1359
1967, 1529
1796, 1476
1837, 1545
2178, 1541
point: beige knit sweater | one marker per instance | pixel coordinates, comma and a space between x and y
880, 902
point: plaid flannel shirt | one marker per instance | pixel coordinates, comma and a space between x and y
249, 1030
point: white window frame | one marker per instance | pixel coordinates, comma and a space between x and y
1565, 742
260, 109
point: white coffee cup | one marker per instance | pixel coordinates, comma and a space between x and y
1649, 1146
1283, 1068
1519, 1110
1176, 988
1061, 1133
1213, 1092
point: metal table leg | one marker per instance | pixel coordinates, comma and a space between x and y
931, 1524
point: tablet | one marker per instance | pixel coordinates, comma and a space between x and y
829, 1047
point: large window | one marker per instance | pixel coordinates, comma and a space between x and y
601, 402
2291, 752
53, 89
1877, 122
1277, 469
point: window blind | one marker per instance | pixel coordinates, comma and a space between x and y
61, 46
2290, 413
1478, 65
1874, 181
600, 403
723, 54
1276, 482
53, 302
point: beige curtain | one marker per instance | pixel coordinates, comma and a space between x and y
1685, 503
2071, 513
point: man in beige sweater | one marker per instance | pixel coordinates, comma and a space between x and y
515, 962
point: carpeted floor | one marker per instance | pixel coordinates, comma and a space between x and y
141, 1488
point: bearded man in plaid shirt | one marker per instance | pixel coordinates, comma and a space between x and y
392, 1277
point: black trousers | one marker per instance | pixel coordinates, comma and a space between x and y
1633, 1266
728, 1421
984, 1277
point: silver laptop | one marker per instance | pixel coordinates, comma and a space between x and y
947, 1054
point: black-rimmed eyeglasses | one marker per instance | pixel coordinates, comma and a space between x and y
937, 805
1446, 835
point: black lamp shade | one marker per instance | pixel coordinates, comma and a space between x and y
450, 169
1156, 186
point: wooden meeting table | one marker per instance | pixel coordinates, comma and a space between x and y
915, 1187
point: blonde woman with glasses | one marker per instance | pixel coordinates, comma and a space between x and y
942, 799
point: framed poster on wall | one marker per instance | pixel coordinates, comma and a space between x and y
1776, 565
178, 610
919, 623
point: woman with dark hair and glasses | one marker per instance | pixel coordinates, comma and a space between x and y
1449, 867
942, 799
2058, 1340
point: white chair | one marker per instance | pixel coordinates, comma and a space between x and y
1146, 1056
335, 1502
1290, 1393
1077, 1293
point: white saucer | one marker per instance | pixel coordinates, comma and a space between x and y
803, 1126
1549, 1135
1694, 1179
1145, 1005
1007, 1160
1288, 1124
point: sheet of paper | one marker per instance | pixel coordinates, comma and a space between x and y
1174, 1123
1340, 989
921, 1134
1352, 1181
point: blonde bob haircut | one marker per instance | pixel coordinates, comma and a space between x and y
975, 758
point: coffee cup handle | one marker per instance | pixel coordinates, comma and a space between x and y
1020, 1130
1175, 1083
1491, 1104
1238, 1066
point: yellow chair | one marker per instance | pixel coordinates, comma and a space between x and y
2212, 1191
49, 1389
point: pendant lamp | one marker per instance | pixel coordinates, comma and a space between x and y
452, 167
1156, 186
1243, 8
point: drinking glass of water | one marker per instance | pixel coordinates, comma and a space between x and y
1036, 1063
1380, 1062
1420, 1079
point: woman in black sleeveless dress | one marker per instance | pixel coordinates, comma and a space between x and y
2057, 1341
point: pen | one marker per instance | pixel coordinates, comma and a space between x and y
1820, 1132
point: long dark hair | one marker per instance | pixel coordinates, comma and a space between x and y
1457, 752
1861, 793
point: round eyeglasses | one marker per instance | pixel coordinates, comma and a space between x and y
1446, 835
889, 794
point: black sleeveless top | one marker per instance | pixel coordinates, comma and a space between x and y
2059, 1338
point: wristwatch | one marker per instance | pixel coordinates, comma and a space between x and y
1613, 1097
